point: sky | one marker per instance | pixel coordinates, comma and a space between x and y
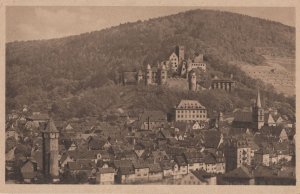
45, 22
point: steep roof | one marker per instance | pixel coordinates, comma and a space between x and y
242, 116
241, 172
258, 102
200, 174
190, 104
50, 127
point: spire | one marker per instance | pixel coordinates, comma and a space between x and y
148, 66
51, 126
258, 103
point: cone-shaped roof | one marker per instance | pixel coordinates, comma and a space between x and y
51, 126
258, 102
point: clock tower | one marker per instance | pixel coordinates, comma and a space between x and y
50, 150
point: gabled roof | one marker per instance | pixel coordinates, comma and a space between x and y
190, 104
50, 127
241, 172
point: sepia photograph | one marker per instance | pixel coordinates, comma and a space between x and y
150, 95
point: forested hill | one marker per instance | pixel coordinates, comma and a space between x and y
46, 70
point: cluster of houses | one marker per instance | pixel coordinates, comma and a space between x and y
247, 147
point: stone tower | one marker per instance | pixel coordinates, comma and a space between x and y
180, 53
258, 113
163, 75
148, 75
192, 79
50, 137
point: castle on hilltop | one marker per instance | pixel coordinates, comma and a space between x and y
158, 75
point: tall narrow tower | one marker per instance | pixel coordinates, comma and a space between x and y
258, 113
50, 150
180, 53
192, 79
148, 75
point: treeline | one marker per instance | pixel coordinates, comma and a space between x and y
60, 71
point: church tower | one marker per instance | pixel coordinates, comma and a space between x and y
163, 75
50, 137
148, 75
258, 113
192, 79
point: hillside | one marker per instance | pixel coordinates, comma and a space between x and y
81, 69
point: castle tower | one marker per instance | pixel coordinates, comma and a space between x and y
148, 75
163, 75
258, 113
50, 150
192, 79
179, 50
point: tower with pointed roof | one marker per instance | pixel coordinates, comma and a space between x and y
50, 137
258, 113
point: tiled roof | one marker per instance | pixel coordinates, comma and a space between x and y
190, 104
241, 116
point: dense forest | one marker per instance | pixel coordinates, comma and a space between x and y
77, 75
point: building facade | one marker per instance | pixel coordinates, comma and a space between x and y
189, 111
